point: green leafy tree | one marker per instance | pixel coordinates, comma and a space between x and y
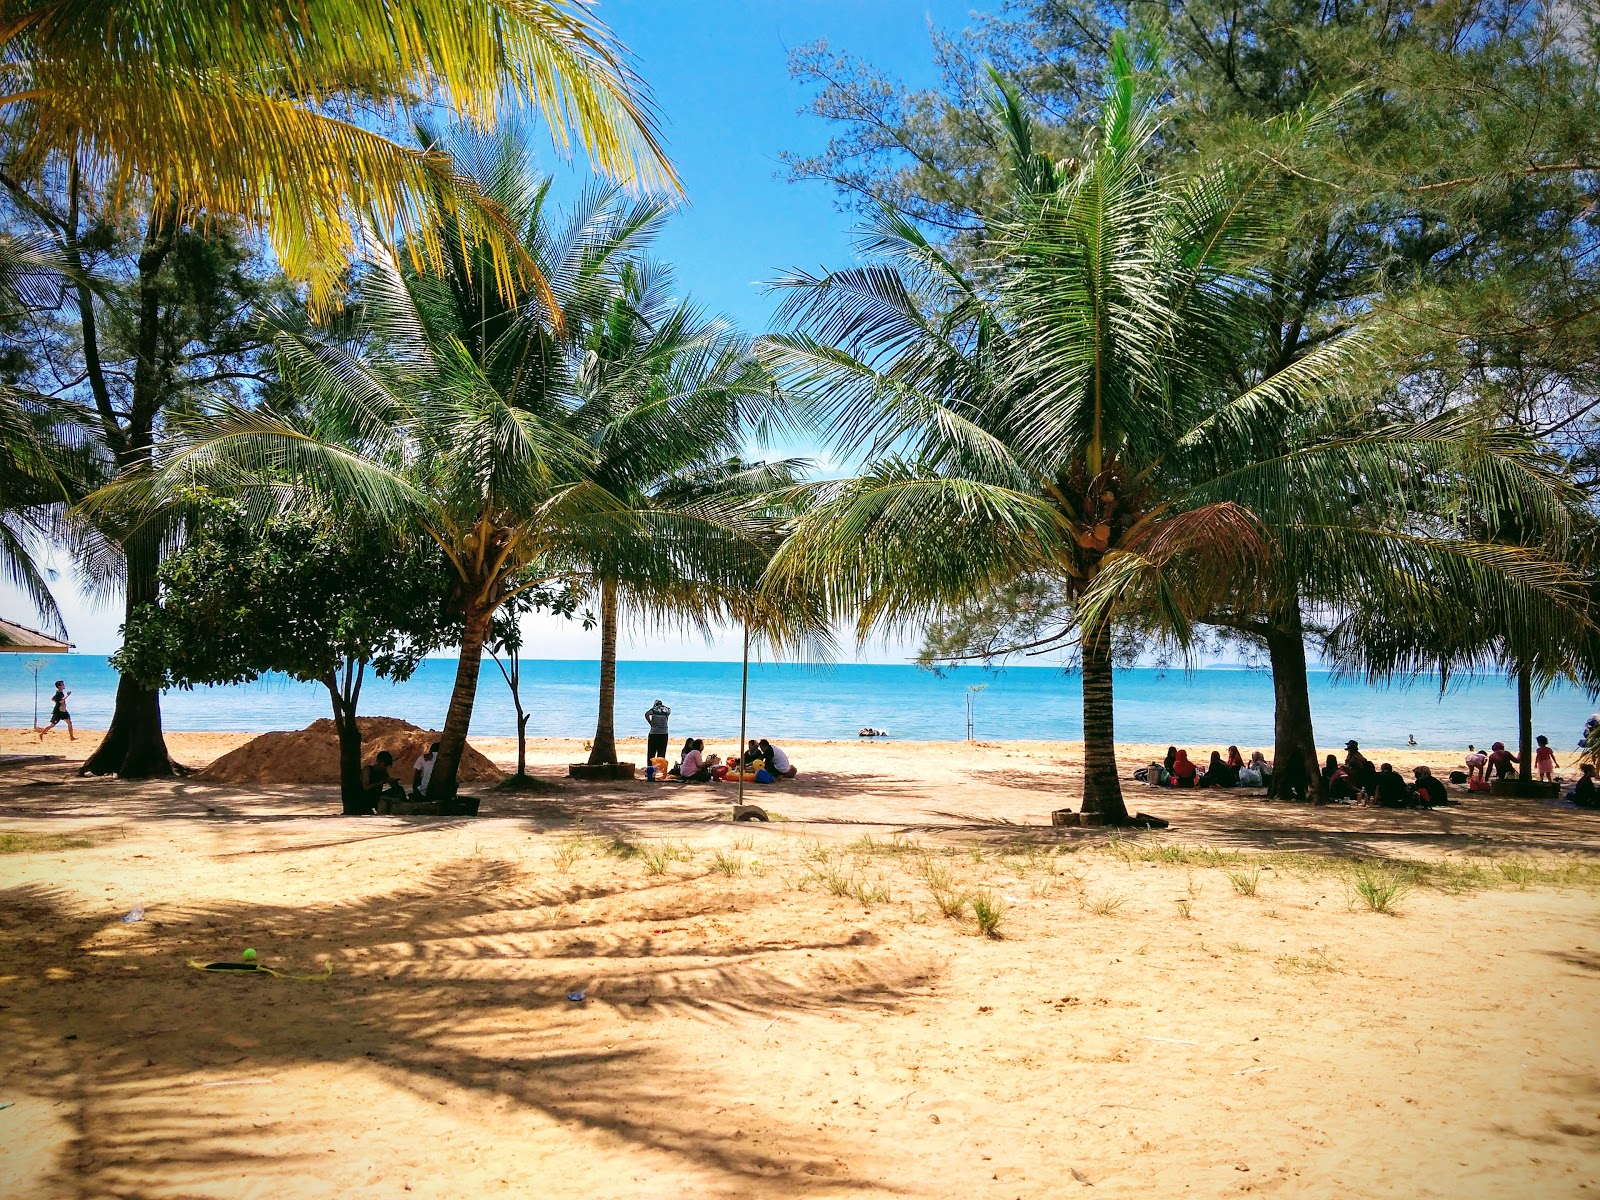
318, 598
1076, 417
443, 411
1454, 196
152, 316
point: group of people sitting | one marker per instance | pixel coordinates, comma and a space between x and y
379, 788
1179, 771
762, 762
1357, 781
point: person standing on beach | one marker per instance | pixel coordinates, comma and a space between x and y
656, 744
1544, 761
59, 713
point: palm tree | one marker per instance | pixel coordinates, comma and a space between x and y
263, 112
669, 397
447, 414
1072, 412
194, 117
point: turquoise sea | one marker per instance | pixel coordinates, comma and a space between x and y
1213, 706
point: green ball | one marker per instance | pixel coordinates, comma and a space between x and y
249, 956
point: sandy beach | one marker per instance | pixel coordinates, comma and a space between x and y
612, 991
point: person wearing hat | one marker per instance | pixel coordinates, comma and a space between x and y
1359, 767
656, 744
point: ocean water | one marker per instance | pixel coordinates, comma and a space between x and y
1210, 707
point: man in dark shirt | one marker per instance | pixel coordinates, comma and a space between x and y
381, 788
1429, 791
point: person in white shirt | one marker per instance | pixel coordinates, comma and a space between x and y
422, 772
777, 761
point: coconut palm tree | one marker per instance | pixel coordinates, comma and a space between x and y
446, 413
265, 112
1071, 411
669, 398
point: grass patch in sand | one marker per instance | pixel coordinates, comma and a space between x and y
869, 892
868, 846
37, 843
570, 849
1315, 963
727, 864
1103, 906
658, 856
950, 900
1246, 883
1445, 875
1380, 890
987, 912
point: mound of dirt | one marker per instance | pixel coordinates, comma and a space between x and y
311, 755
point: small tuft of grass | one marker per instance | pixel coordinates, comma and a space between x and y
745, 842
36, 843
1240, 948
1518, 873
1103, 906
727, 864
658, 856
1316, 963
1186, 909
621, 847
1378, 887
988, 911
569, 850
1245, 883
869, 892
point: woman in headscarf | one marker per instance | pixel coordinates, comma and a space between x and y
1183, 771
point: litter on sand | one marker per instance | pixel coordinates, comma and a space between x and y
575, 997
256, 968
1150, 1037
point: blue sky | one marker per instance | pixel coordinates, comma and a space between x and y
718, 70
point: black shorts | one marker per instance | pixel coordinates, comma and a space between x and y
60, 714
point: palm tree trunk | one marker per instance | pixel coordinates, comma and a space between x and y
1525, 723
453, 737
1291, 696
605, 729
1102, 789
134, 746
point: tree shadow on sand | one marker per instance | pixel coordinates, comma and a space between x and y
459, 982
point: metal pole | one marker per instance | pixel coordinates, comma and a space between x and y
744, 701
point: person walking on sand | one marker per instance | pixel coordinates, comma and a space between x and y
656, 744
1544, 761
59, 713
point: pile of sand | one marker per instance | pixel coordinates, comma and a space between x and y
311, 755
